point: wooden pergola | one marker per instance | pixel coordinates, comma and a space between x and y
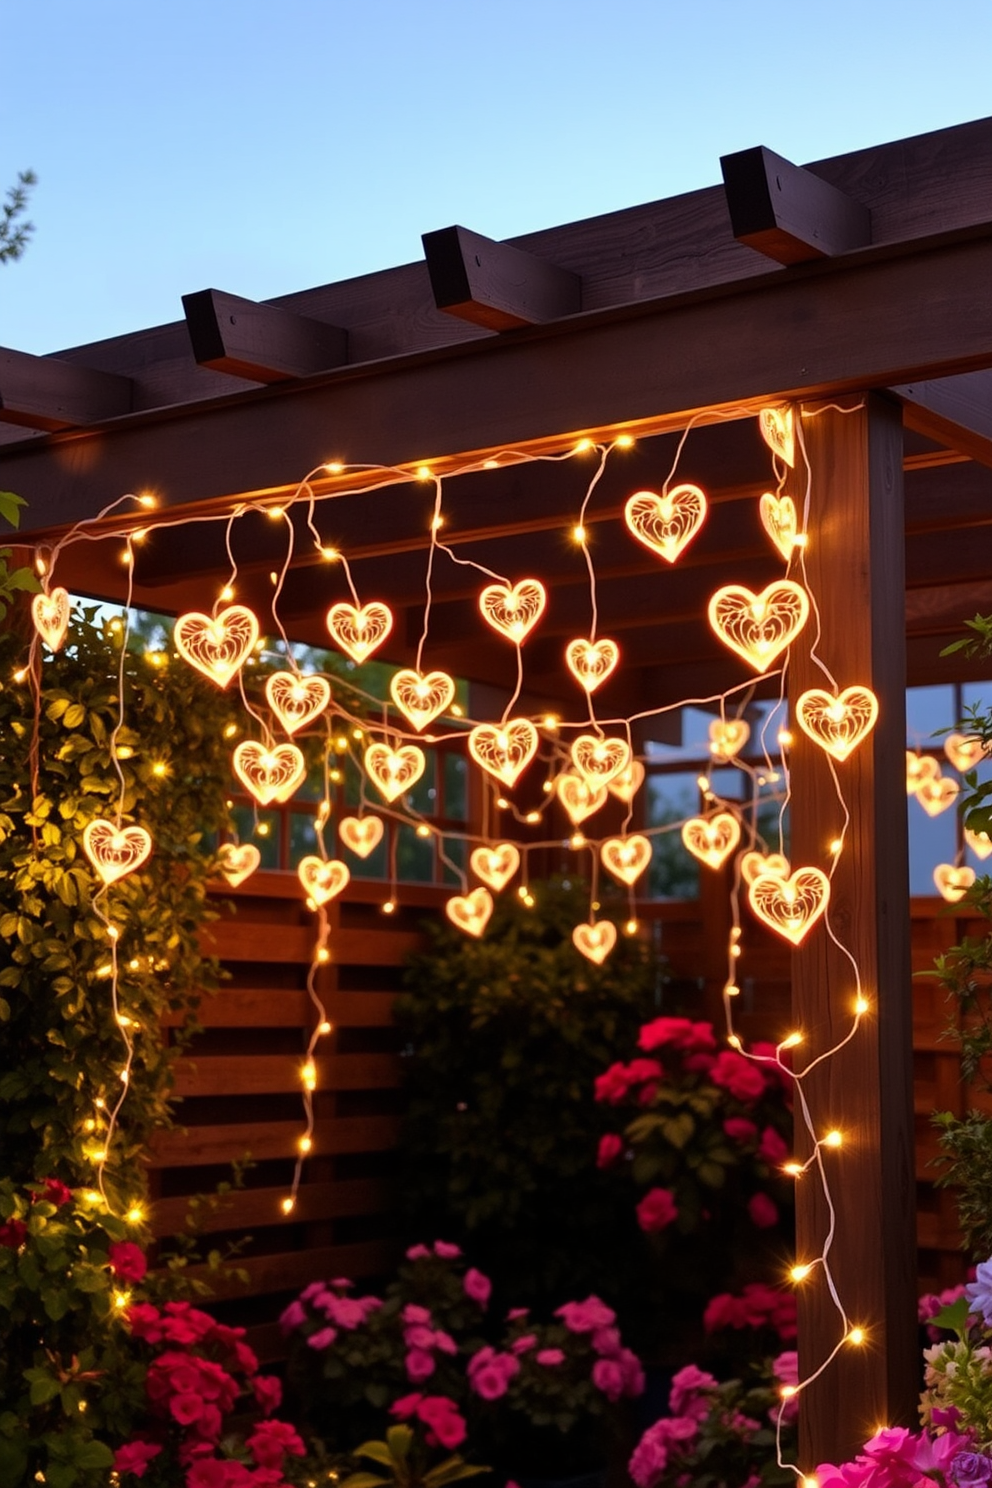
858, 289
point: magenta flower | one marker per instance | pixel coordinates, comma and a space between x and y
740, 1076
271, 1441
13, 1234
294, 1316
689, 1391
587, 1316
446, 1251
418, 1253
322, 1339
607, 1376
549, 1357
524, 1343
763, 1211
419, 1365
739, 1129
268, 1393
772, 1147
477, 1287
134, 1457
656, 1210
127, 1260
610, 1149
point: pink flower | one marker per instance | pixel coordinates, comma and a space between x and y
209, 1424
127, 1260
690, 1388
345, 1312
418, 1337
186, 1408
489, 1373
740, 1076
524, 1343
516, 1312
145, 1322
606, 1341
739, 1129
656, 1210
613, 1085
587, 1316
268, 1392
477, 1287
13, 1234
763, 1212
207, 1472
55, 1192
681, 1033
343, 1283
134, 1457
610, 1148
419, 1365
294, 1316
414, 1314
418, 1253
607, 1376
441, 1415
446, 1251
772, 1147
270, 1442
550, 1357
322, 1339
445, 1342
633, 1374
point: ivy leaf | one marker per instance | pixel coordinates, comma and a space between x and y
10, 508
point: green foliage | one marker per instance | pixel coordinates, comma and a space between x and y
405, 1458
506, 1036
56, 775
14, 233
12, 580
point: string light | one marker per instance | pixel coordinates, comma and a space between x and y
238, 861
599, 760
595, 940
495, 865
728, 737
790, 906
778, 518
777, 426
504, 750
217, 646
115, 851
759, 627
394, 771
361, 834
269, 774
626, 857
840, 722
965, 751
470, 912
952, 882
712, 839
513, 611
421, 698
359, 630
50, 613
296, 701
591, 662
666, 523
322, 881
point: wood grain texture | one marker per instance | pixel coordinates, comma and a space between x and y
789, 214
49, 394
494, 284
263, 343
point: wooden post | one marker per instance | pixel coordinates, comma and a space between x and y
855, 567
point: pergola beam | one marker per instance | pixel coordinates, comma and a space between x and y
41, 392
494, 284
788, 213
956, 411
261, 342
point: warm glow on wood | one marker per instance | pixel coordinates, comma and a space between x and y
759, 626
790, 906
115, 851
591, 662
50, 613
837, 724
421, 697
626, 857
513, 610
359, 631
361, 834
504, 750
296, 701
394, 771
217, 646
712, 839
495, 865
665, 524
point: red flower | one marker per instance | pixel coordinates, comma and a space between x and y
441, 1416
127, 1260
763, 1211
740, 1076
656, 1210
134, 1457
270, 1442
13, 1234
268, 1393
55, 1192
739, 1129
610, 1149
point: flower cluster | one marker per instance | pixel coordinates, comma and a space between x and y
197, 1372
700, 1117
720, 1433
758, 1306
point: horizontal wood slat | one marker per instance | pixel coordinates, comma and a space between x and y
202, 1146
251, 1208
266, 1074
279, 1007
290, 1271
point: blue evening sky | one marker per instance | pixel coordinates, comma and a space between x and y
264, 148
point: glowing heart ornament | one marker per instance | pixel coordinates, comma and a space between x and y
778, 430
953, 883
269, 774
755, 863
965, 751
217, 645
470, 912
626, 785
790, 906
599, 760
322, 881
667, 523
296, 701
115, 851
50, 613
759, 627
979, 842
712, 839
514, 610
504, 750
361, 834
595, 940
359, 630
626, 857
919, 769
591, 662
728, 737
421, 697
579, 797
937, 794
238, 861
394, 771
837, 723
495, 865
778, 517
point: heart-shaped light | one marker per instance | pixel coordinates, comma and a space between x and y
837, 723
513, 611
296, 701
778, 517
504, 750
919, 768
778, 431
754, 863
964, 751
626, 857
595, 940
790, 906
269, 774
470, 912
979, 842
579, 798
115, 851
421, 698
360, 834
626, 785
322, 881
953, 883
217, 645
591, 662
359, 631
712, 839
728, 737
495, 865
600, 760
394, 771
666, 523
938, 794
238, 861
759, 626
50, 613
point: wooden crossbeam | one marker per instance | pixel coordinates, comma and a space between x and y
956, 411
41, 392
787, 213
261, 342
495, 285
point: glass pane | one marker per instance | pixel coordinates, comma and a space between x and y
674, 873
414, 856
455, 785
928, 709
456, 851
932, 840
376, 865
303, 837
423, 797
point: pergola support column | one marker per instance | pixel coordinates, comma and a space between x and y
855, 566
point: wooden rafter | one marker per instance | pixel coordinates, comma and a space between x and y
494, 284
261, 342
789, 214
